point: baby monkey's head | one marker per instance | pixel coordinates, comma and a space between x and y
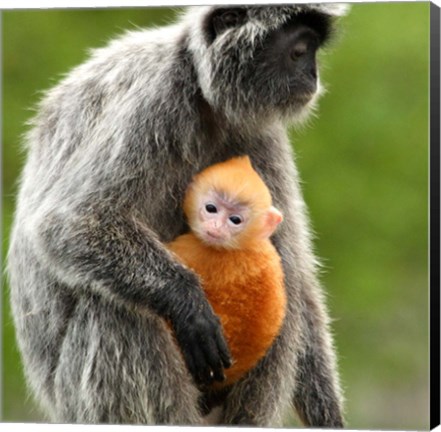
229, 206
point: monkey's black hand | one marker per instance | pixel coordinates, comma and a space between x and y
197, 329
200, 337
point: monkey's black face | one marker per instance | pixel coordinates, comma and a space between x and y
289, 61
259, 70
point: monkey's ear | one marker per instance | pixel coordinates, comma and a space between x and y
272, 221
224, 18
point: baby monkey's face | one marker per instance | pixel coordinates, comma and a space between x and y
220, 220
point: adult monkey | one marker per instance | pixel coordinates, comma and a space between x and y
110, 155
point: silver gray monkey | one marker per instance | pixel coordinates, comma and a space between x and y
112, 149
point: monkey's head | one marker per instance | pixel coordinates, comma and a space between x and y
228, 206
260, 60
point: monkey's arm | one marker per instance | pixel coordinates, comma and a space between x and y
317, 396
114, 255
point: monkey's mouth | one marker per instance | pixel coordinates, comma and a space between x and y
303, 93
306, 94
299, 101
214, 238
303, 98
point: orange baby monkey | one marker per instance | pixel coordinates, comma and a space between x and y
229, 211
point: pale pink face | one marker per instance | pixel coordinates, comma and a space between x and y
220, 220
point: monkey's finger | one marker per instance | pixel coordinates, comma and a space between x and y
202, 371
212, 355
224, 351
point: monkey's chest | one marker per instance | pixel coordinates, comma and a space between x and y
247, 292
251, 310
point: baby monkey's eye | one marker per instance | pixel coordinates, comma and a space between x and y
211, 208
237, 220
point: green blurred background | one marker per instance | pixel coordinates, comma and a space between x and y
364, 163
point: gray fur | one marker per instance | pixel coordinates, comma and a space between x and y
111, 151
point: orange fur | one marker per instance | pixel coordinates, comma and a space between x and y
243, 285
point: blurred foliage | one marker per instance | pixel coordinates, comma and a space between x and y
364, 165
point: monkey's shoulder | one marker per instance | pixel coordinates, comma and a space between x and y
186, 247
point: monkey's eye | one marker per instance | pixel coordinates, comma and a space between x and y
211, 208
236, 220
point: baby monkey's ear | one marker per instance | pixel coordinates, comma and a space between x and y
272, 219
